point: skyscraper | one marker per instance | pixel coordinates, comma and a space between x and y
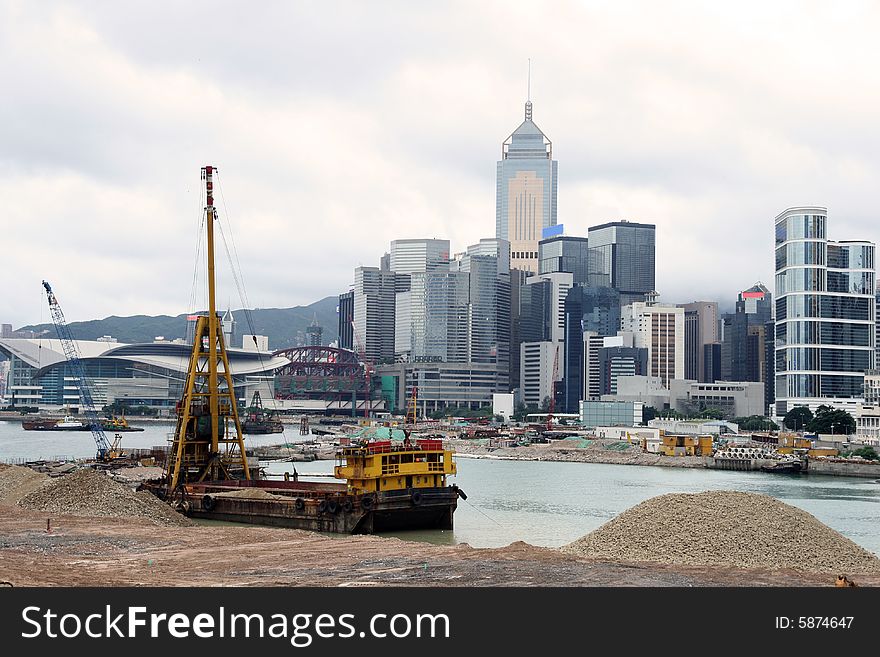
745, 334
412, 255
345, 312
525, 192
625, 257
564, 253
700, 329
588, 310
374, 313
825, 313
659, 329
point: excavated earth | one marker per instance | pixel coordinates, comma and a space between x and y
123, 546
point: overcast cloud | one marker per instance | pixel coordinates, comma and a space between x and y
339, 126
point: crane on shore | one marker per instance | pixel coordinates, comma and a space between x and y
106, 451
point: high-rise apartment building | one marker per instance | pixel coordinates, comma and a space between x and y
624, 255
825, 313
660, 330
525, 192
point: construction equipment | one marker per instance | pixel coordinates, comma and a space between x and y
413, 407
106, 451
208, 444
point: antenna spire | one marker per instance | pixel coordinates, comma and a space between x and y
529, 93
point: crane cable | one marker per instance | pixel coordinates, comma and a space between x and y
238, 279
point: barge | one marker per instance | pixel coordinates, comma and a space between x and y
386, 484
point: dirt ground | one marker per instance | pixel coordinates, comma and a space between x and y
129, 552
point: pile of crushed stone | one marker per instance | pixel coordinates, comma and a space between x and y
91, 493
723, 528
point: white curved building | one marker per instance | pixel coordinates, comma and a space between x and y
825, 313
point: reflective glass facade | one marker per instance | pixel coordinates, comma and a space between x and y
567, 254
624, 253
825, 334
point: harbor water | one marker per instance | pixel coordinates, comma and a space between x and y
539, 502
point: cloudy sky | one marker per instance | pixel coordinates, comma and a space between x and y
339, 126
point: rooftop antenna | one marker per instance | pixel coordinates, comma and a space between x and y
529, 93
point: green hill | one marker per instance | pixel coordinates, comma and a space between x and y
285, 326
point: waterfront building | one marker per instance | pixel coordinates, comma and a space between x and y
149, 374
442, 386
525, 192
732, 398
700, 330
825, 313
624, 257
659, 329
608, 413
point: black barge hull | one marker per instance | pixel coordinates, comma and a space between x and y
320, 507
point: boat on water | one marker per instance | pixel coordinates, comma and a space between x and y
70, 423
386, 483
260, 421
784, 466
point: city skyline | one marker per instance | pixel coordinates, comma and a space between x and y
324, 162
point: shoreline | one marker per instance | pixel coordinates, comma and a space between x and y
133, 552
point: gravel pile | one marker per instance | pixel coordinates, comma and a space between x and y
722, 528
16, 482
90, 493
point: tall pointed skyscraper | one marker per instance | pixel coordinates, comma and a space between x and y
525, 192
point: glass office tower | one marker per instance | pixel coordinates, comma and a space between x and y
825, 313
625, 257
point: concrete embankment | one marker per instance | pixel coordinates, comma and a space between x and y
849, 469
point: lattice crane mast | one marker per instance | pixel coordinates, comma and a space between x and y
75, 363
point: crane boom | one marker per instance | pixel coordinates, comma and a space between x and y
79, 375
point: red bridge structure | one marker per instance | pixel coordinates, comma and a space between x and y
329, 374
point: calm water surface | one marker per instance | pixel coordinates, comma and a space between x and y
541, 503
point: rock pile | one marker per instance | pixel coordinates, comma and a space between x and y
722, 528
16, 482
94, 494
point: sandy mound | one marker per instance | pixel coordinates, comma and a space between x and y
16, 482
90, 493
724, 528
